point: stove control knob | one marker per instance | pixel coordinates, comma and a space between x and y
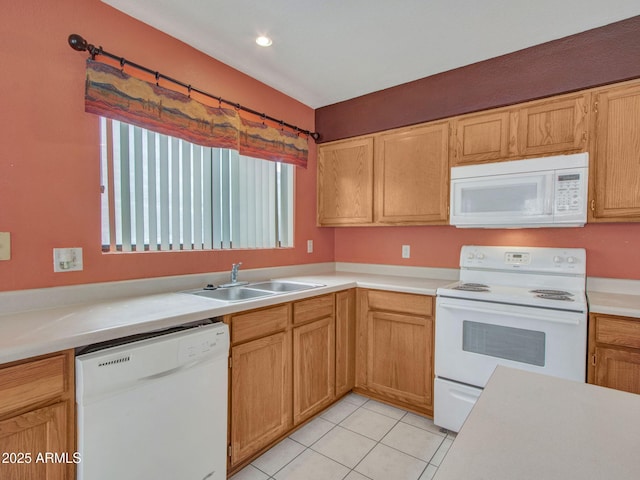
557, 259
480, 256
471, 256
571, 260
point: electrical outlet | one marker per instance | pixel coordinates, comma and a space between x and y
309, 246
67, 259
5, 246
406, 251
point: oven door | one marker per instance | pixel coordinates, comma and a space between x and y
472, 337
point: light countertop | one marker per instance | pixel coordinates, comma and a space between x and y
119, 309
531, 426
37, 332
627, 305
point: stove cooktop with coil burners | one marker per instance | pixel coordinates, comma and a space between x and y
552, 278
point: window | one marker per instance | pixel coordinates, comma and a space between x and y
163, 193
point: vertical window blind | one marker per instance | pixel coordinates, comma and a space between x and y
164, 193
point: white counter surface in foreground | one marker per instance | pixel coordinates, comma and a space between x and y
531, 426
37, 332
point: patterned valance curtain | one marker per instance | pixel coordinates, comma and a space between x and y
112, 93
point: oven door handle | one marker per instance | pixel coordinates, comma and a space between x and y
541, 316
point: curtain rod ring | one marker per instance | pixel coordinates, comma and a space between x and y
189, 91
122, 64
157, 79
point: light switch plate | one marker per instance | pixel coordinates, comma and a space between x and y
5, 246
309, 246
406, 251
67, 259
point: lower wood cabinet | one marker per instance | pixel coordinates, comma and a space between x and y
395, 348
261, 393
313, 368
614, 352
37, 418
283, 368
345, 341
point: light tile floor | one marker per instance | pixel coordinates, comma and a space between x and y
356, 439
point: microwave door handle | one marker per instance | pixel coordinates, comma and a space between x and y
490, 311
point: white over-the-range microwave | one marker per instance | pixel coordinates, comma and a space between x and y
537, 192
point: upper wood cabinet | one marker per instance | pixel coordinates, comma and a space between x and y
479, 138
614, 352
409, 184
615, 154
412, 175
546, 127
345, 182
37, 416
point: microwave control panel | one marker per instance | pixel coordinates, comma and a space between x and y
569, 194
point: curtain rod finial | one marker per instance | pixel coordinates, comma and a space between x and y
315, 136
77, 42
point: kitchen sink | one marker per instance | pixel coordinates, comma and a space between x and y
253, 290
233, 294
280, 287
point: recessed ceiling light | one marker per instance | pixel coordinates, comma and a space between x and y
264, 41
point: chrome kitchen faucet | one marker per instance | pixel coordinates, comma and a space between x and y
234, 272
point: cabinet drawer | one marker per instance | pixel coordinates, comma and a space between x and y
259, 323
313, 308
31, 383
618, 331
401, 302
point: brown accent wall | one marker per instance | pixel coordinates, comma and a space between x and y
596, 57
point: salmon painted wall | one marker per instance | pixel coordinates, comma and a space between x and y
49, 160
612, 249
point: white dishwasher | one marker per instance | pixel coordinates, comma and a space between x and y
155, 408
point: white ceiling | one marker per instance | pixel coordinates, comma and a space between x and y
326, 51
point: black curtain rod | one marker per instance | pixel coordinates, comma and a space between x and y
80, 44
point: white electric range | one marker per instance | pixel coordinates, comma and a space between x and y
523, 307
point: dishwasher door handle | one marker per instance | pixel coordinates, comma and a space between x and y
175, 370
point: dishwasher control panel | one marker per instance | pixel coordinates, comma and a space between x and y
193, 348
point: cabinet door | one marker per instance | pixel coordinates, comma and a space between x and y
31, 434
313, 367
345, 182
412, 176
552, 127
260, 404
619, 369
615, 155
345, 341
399, 357
481, 138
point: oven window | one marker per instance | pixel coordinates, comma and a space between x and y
517, 344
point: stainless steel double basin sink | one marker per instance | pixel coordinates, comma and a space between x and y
253, 290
